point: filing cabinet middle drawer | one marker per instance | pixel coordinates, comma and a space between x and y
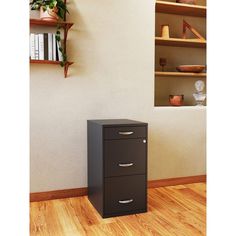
125, 157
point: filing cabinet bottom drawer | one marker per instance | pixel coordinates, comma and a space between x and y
126, 195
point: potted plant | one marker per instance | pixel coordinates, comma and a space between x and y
50, 10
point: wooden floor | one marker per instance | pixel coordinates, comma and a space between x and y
177, 210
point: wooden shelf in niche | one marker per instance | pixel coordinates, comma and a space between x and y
177, 42
179, 74
180, 9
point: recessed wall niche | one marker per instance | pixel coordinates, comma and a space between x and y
178, 51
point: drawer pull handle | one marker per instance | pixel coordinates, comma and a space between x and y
126, 164
126, 132
126, 201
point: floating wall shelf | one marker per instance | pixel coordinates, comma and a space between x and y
44, 62
180, 9
65, 26
49, 23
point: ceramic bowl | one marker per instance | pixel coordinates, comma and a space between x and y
191, 68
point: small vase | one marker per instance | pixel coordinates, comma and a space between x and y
176, 100
49, 14
165, 31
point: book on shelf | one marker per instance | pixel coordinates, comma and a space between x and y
50, 46
36, 50
32, 46
44, 46
45, 38
41, 47
54, 48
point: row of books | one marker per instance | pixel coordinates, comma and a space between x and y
44, 46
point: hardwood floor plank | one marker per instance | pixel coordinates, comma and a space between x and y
199, 188
166, 201
172, 211
188, 204
136, 225
48, 222
193, 195
68, 219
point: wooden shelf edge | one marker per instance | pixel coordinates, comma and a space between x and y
180, 9
48, 62
179, 74
48, 23
44, 62
178, 42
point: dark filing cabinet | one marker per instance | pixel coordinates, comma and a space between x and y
117, 166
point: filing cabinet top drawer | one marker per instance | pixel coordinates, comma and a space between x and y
124, 132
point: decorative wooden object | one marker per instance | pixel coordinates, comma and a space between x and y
193, 30
180, 9
165, 31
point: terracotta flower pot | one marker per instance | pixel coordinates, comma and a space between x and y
49, 14
187, 1
176, 100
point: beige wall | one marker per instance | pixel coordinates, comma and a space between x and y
113, 49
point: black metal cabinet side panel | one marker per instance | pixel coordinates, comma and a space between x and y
95, 165
146, 175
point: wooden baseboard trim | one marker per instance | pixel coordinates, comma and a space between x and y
176, 181
57, 194
77, 192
